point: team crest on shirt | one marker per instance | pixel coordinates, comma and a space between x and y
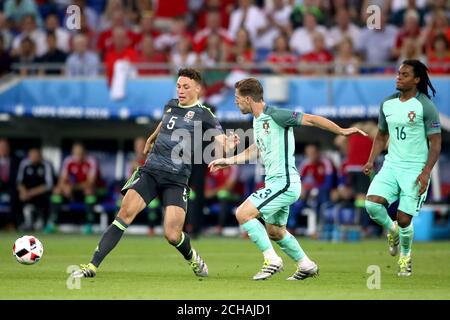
411, 116
189, 115
266, 126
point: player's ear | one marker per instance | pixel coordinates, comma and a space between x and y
198, 88
416, 80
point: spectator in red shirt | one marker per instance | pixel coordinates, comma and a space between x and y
282, 55
411, 50
121, 50
410, 29
170, 8
318, 61
167, 41
319, 178
439, 56
213, 26
146, 27
148, 54
112, 6
167, 10
317, 171
225, 7
354, 182
439, 24
78, 181
213, 53
242, 51
105, 42
183, 56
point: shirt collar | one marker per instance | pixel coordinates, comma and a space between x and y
190, 106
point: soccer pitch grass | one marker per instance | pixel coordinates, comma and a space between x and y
149, 268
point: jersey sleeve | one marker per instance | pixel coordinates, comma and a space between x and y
285, 118
210, 121
430, 117
382, 124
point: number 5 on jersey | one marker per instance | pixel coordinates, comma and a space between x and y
171, 123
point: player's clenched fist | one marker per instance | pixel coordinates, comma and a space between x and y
368, 168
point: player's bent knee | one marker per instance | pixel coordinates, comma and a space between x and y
126, 214
403, 220
372, 208
275, 235
242, 216
173, 237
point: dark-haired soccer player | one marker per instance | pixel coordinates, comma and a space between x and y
275, 142
411, 123
166, 172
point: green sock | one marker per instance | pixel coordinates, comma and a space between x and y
406, 239
258, 234
109, 240
378, 213
184, 246
291, 247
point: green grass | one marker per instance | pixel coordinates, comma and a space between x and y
149, 268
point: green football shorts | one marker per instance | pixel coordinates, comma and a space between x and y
274, 199
393, 184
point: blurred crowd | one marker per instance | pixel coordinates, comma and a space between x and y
273, 36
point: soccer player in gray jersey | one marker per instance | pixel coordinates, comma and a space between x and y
166, 172
410, 121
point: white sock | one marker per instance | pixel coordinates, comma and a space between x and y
305, 262
271, 255
406, 255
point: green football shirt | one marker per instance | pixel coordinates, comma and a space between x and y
408, 123
274, 137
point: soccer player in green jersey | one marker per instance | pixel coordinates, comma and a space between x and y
411, 123
274, 141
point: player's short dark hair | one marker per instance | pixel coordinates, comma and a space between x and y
250, 87
191, 74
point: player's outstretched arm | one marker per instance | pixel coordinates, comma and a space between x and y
151, 140
379, 144
324, 123
249, 154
